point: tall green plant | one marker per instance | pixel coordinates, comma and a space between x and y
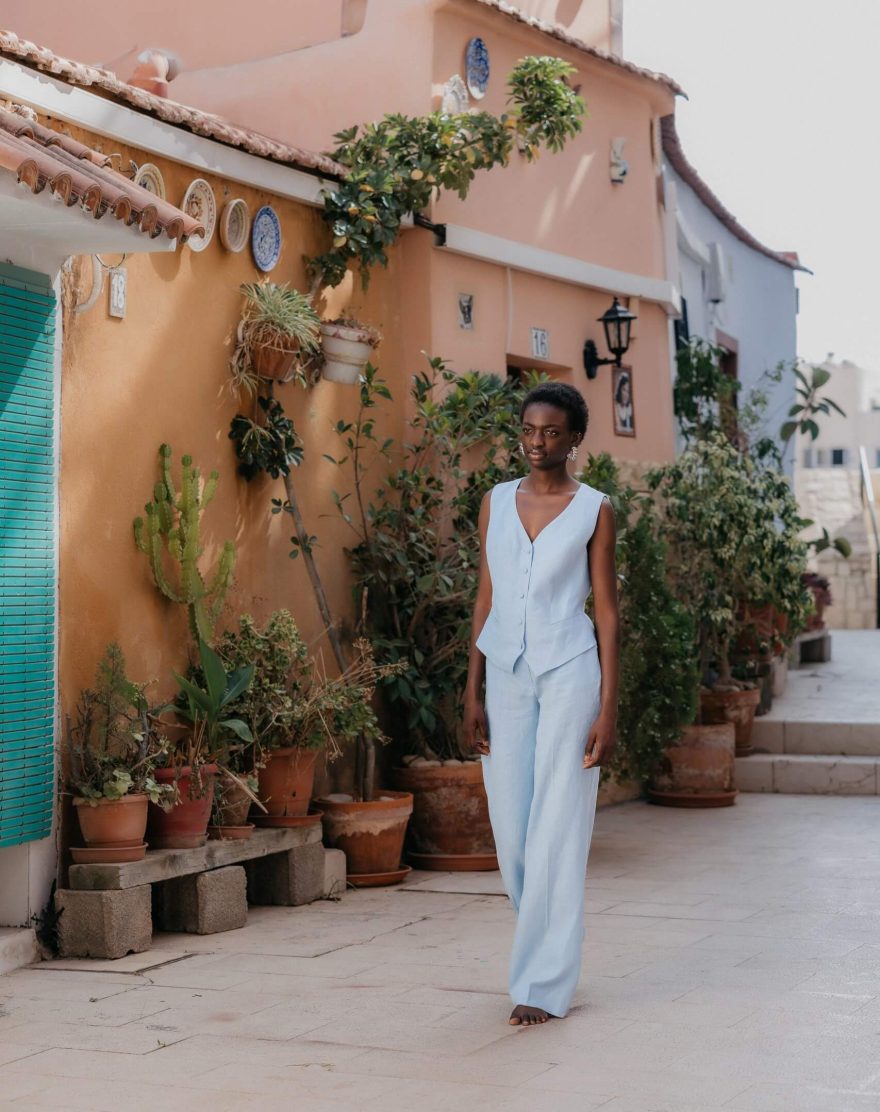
415, 556
171, 537
732, 528
396, 166
658, 671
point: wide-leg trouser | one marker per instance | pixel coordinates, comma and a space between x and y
542, 803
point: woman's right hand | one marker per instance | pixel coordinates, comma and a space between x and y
476, 730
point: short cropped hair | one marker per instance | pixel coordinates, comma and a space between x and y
563, 396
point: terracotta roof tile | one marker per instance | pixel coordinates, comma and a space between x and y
180, 115
556, 32
75, 174
675, 154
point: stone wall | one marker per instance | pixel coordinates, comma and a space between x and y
831, 496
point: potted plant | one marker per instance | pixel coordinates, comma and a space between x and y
192, 764
416, 582
348, 345
277, 336
819, 587
657, 699
732, 528
278, 707
113, 747
370, 830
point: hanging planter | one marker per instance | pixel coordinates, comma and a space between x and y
277, 334
347, 345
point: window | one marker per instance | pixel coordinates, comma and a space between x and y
877, 457
821, 457
839, 457
808, 457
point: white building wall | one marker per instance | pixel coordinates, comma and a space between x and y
759, 299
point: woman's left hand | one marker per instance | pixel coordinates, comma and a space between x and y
600, 742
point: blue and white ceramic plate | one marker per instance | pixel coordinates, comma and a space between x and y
266, 238
476, 68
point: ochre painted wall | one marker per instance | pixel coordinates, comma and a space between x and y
161, 374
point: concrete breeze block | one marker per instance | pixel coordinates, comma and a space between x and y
287, 879
335, 878
104, 924
205, 903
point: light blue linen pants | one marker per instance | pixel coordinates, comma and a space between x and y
542, 803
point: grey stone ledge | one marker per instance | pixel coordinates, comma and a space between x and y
166, 864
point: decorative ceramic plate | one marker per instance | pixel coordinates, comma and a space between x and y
266, 238
476, 68
198, 202
149, 177
235, 224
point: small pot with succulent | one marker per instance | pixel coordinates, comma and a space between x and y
212, 732
113, 746
348, 345
277, 337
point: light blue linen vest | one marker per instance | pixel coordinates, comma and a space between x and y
538, 588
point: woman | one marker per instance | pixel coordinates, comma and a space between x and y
551, 691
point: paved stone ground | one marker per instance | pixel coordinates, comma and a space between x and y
846, 689
732, 962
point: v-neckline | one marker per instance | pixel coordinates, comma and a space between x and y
552, 519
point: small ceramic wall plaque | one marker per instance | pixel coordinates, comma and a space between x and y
476, 66
235, 225
540, 343
118, 291
199, 203
266, 238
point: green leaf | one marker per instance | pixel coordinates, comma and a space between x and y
215, 673
239, 728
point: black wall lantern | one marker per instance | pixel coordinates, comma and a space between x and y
617, 322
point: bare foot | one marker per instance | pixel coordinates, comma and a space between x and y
525, 1015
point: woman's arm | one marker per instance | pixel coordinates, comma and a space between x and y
603, 574
476, 733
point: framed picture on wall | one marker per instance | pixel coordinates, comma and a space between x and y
622, 401
466, 311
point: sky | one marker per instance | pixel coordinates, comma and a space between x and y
781, 122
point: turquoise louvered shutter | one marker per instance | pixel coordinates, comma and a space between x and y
27, 556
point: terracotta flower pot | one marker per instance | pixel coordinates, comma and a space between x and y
738, 707
287, 780
371, 834
185, 825
112, 823
238, 833
450, 826
698, 771
231, 801
276, 360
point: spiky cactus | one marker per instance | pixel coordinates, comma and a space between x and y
171, 536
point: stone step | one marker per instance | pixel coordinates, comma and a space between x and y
808, 774
18, 947
851, 739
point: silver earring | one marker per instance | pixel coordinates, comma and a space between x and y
573, 453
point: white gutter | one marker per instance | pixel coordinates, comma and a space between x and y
551, 264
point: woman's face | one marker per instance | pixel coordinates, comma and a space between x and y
546, 437
624, 392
